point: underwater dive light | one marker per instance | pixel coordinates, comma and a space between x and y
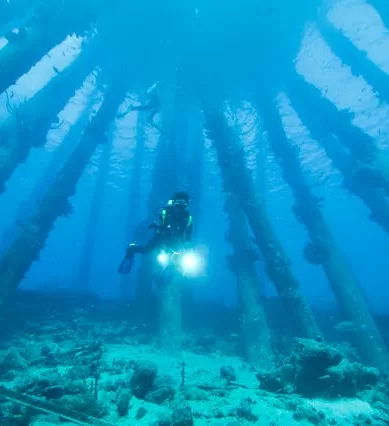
191, 263
163, 259
188, 263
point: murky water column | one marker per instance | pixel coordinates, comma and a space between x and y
346, 288
170, 329
237, 176
170, 287
134, 195
193, 174
195, 162
28, 124
256, 334
25, 249
158, 192
187, 146
164, 182
96, 211
331, 139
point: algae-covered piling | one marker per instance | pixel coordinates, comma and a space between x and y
235, 173
345, 286
25, 249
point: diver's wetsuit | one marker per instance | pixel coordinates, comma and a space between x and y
174, 227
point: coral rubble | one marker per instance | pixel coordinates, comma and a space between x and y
78, 368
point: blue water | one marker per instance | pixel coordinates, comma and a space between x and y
239, 90
225, 48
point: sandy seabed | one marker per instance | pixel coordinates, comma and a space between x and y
82, 370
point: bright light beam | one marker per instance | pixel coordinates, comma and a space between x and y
163, 259
191, 263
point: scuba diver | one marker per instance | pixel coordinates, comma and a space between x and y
153, 105
174, 229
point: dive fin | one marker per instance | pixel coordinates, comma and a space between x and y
126, 265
